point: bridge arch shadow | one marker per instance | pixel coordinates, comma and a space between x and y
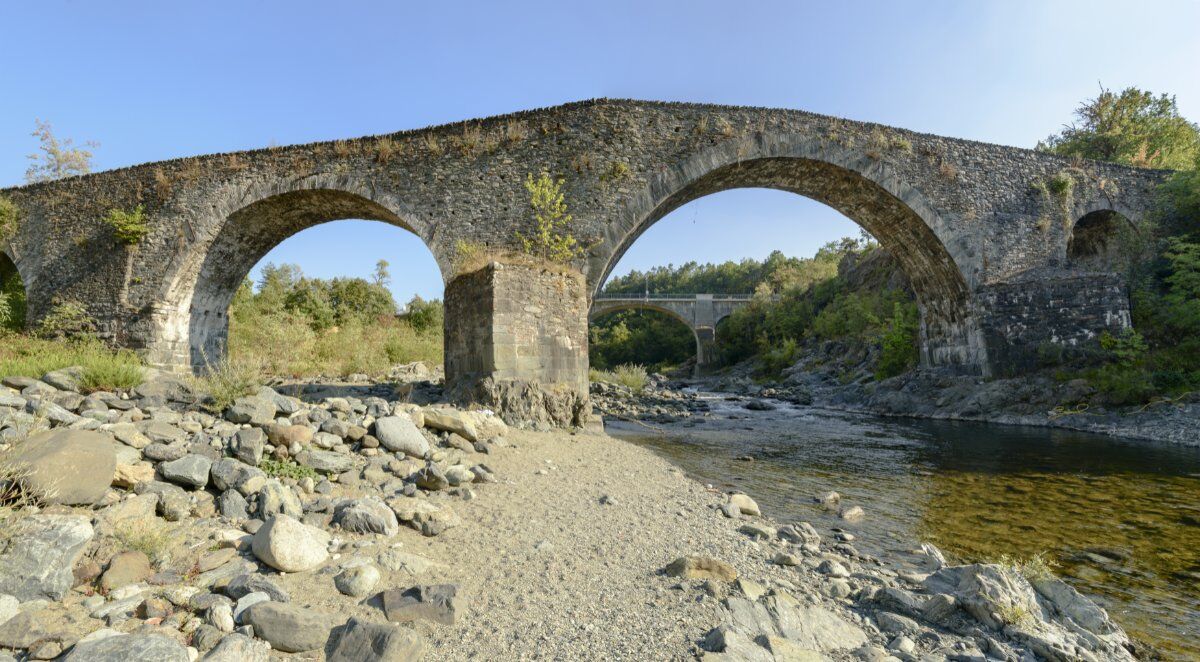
12, 294
856, 185
203, 289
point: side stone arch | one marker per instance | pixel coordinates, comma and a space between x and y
863, 188
241, 225
703, 336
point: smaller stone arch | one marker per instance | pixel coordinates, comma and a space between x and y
1096, 240
704, 336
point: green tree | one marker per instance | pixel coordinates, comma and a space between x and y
1134, 127
424, 315
550, 240
381, 277
57, 158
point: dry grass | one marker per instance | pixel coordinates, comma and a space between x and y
234, 164
103, 369
148, 536
470, 139
385, 149
631, 376
947, 170
433, 145
285, 345
342, 148
162, 183
228, 380
515, 132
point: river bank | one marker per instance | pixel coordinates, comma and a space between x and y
359, 527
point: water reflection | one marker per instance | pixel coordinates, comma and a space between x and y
1121, 518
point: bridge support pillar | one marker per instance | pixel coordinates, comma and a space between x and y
516, 343
706, 340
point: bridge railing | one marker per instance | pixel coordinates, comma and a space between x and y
641, 296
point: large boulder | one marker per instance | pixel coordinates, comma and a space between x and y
128, 648
289, 545
71, 467
400, 435
189, 471
288, 628
254, 410
451, 420
357, 641
42, 550
367, 515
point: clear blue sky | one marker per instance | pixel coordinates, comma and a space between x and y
154, 80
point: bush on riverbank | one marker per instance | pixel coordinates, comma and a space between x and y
293, 326
631, 376
103, 368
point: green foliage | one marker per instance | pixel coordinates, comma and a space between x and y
382, 276
227, 381
550, 240
629, 375
617, 171
58, 158
295, 326
10, 218
424, 316
642, 337
1126, 348
899, 347
286, 469
130, 227
1133, 127
12, 302
103, 369
66, 319
774, 361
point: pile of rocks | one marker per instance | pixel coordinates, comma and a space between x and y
139, 526
659, 401
834, 600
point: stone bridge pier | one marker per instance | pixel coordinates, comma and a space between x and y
700, 312
1008, 250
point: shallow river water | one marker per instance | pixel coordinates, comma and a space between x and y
1122, 519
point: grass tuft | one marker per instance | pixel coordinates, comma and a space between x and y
631, 376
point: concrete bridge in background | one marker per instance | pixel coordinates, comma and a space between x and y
1007, 249
700, 312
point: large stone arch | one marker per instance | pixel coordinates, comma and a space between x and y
854, 183
242, 227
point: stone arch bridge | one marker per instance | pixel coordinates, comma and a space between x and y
1007, 249
700, 312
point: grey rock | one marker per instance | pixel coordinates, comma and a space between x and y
438, 603
246, 584
239, 648
329, 462
253, 410
247, 601
367, 515
431, 478
360, 641
250, 443
288, 545
189, 470
357, 581
72, 467
228, 473
399, 434
164, 452
129, 648
288, 628
37, 563
233, 505
275, 498
22, 630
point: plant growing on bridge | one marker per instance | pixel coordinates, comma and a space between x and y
66, 319
58, 158
10, 216
617, 171
549, 241
1133, 127
130, 227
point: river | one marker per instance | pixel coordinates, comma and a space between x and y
1121, 519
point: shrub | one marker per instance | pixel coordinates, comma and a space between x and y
10, 217
109, 371
130, 227
227, 381
774, 361
898, 345
286, 469
549, 241
631, 376
147, 536
66, 319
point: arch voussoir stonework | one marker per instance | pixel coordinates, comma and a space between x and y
964, 219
